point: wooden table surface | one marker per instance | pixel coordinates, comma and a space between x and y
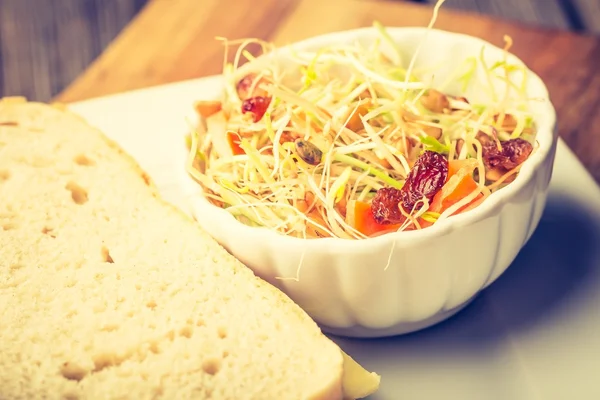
174, 40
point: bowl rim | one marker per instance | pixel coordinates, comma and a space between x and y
546, 138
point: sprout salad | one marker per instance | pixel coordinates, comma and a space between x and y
348, 142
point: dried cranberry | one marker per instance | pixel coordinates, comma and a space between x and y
384, 206
245, 84
425, 179
513, 153
257, 106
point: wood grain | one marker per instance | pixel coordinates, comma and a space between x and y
44, 45
574, 15
588, 11
546, 13
173, 40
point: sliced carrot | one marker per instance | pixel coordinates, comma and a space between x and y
436, 203
366, 224
342, 206
474, 203
313, 230
455, 165
465, 187
234, 144
355, 122
206, 108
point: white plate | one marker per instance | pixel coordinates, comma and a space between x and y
533, 334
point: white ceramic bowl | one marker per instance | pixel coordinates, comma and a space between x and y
431, 274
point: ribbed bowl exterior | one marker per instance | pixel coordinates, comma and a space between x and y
400, 282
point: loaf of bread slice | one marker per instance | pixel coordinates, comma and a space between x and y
108, 292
